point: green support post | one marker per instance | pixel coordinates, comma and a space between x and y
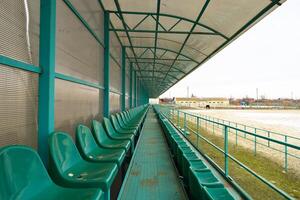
255, 143
198, 132
130, 86
135, 89
47, 77
106, 65
226, 150
123, 104
178, 119
285, 154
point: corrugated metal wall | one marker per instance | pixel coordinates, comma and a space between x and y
79, 55
115, 74
19, 30
74, 104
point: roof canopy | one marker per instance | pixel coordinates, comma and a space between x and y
167, 39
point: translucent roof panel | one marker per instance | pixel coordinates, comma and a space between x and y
166, 40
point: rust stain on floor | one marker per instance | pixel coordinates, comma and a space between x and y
149, 182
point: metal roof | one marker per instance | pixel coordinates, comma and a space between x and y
166, 40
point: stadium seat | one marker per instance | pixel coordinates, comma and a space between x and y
70, 170
119, 129
113, 134
103, 140
24, 177
217, 193
90, 151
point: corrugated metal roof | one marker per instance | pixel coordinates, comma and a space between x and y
168, 39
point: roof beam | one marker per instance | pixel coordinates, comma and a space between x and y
176, 17
125, 27
177, 70
188, 36
156, 29
166, 32
150, 47
165, 59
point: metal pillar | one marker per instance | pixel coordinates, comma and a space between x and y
135, 89
47, 77
106, 65
226, 151
123, 100
130, 86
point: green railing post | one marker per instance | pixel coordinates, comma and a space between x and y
255, 143
47, 77
106, 102
213, 128
268, 137
178, 119
184, 123
244, 130
123, 68
285, 154
236, 135
226, 149
197, 132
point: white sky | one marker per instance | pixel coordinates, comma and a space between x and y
266, 57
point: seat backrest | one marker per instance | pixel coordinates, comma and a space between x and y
99, 132
114, 122
21, 170
63, 152
122, 114
85, 140
120, 119
108, 126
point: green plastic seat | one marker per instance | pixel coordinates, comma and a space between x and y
119, 129
113, 134
70, 170
191, 160
90, 151
181, 153
199, 179
122, 123
104, 141
217, 193
24, 177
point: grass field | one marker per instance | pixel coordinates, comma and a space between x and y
262, 165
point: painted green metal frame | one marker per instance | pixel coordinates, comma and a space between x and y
225, 152
234, 36
159, 28
135, 89
47, 77
123, 72
130, 86
19, 65
106, 101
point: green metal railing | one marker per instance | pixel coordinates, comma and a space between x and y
240, 131
180, 119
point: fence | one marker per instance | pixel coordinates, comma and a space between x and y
227, 129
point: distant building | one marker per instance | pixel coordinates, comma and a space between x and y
166, 101
202, 102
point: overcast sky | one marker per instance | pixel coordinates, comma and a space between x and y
266, 57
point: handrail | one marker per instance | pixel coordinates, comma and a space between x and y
271, 132
247, 132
